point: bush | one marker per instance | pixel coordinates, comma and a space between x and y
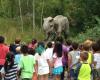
90, 33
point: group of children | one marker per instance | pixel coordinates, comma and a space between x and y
45, 60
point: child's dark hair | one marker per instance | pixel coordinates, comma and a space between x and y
34, 41
24, 49
41, 44
58, 49
75, 45
49, 44
95, 47
2, 39
31, 51
60, 39
9, 59
68, 42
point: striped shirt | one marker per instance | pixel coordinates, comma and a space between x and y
11, 74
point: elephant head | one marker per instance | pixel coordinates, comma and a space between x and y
49, 28
48, 25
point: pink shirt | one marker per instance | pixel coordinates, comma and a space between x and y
58, 61
3, 52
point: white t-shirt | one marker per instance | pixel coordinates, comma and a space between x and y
43, 67
49, 53
75, 57
97, 59
58, 61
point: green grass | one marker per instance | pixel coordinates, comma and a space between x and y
11, 29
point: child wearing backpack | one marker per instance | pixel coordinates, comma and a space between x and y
73, 59
83, 69
10, 68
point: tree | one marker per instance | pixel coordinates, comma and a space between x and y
33, 14
21, 16
42, 12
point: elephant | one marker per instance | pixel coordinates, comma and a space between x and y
56, 26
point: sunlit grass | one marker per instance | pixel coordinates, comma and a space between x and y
11, 29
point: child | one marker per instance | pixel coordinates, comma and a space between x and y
4, 49
49, 51
31, 51
57, 60
10, 69
27, 64
49, 54
87, 47
65, 50
96, 72
42, 62
33, 44
83, 69
73, 58
16, 44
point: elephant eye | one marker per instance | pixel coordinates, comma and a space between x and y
51, 20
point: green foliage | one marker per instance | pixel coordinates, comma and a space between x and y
90, 33
81, 12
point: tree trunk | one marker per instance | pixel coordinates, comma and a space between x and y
21, 16
33, 14
42, 12
27, 2
2, 6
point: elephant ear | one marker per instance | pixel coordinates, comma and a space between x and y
44, 19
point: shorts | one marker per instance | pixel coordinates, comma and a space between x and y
58, 70
43, 70
72, 74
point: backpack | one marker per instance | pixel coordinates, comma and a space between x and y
13, 48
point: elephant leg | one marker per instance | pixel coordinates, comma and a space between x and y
65, 34
66, 30
47, 36
52, 36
